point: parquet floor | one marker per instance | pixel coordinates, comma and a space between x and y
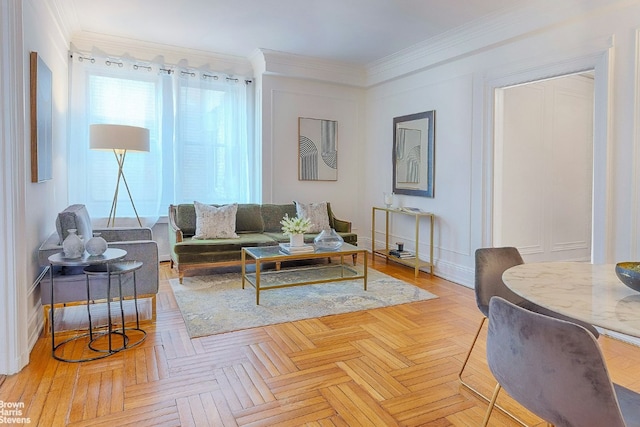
386, 367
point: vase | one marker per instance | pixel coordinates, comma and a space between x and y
388, 199
72, 245
96, 245
328, 239
296, 240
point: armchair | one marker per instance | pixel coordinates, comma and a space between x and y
70, 283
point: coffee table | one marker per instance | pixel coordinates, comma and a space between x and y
273, 254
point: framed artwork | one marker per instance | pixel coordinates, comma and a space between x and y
413, 154
41, 120
317, 149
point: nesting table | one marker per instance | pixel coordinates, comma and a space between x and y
106, 265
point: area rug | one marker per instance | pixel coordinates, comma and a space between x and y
217, 303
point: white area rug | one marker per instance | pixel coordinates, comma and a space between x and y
217, 303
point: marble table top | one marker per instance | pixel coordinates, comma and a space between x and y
588, 292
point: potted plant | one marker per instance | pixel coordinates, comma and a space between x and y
295, 228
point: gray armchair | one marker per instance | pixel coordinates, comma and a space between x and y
70, 284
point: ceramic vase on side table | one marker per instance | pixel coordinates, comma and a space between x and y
72, 245
96, 245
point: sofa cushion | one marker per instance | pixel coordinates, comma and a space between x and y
317, 213
74, 216
273, 214
249, 219
215, 223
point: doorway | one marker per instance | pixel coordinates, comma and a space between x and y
543, 168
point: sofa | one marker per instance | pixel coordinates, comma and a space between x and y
70, 283
255, 225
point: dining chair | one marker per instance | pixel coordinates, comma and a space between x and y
490, 264
555, 369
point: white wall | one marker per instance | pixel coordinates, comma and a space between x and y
286, 99
544, 169
35, 204
460, 92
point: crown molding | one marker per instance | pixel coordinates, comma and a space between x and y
142, 50
304, 67
494, 30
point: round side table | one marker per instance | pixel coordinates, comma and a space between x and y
118, 269
106, 259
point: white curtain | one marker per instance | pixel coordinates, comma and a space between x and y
201, 140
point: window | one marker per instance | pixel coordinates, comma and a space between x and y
201, 144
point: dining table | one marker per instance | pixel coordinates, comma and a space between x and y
588, 292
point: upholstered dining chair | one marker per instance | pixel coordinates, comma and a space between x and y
555, 369
490, 263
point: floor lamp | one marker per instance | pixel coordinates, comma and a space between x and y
120, 139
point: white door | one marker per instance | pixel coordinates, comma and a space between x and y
544, 168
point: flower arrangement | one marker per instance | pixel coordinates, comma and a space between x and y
294, 225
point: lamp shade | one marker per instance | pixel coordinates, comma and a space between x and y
118, 137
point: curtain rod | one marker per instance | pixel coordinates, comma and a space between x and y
163, 68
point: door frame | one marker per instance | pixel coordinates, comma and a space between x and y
599, 61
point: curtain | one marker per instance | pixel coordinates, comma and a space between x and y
201, 139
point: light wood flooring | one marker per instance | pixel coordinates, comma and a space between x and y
385, 367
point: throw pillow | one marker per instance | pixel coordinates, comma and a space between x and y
74, 216
215, 222
317, 213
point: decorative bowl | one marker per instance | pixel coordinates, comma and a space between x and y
629, 274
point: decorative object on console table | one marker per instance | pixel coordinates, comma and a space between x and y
388, 200
120, 139
318, 150
402, 254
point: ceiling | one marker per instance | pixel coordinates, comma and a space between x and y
352, 31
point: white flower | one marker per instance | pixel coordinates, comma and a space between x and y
294, 225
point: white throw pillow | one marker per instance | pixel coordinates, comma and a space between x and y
215, 223
316, 213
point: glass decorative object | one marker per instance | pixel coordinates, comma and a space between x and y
72, 246
328, 239
96, 245
388, 199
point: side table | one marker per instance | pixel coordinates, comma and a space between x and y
110, 255
119, 269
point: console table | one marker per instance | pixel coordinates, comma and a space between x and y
416, 262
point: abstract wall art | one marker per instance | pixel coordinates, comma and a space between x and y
317, 149
413, 158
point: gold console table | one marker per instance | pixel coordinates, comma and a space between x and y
416, 262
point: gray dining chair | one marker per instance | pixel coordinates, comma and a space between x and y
555, 369
490, 264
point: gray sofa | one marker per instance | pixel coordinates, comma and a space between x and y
256, 225
69, 282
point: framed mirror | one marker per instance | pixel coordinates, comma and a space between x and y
413, 154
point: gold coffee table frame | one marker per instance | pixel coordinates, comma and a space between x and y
266, 254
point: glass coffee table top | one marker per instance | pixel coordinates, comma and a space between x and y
275, 252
